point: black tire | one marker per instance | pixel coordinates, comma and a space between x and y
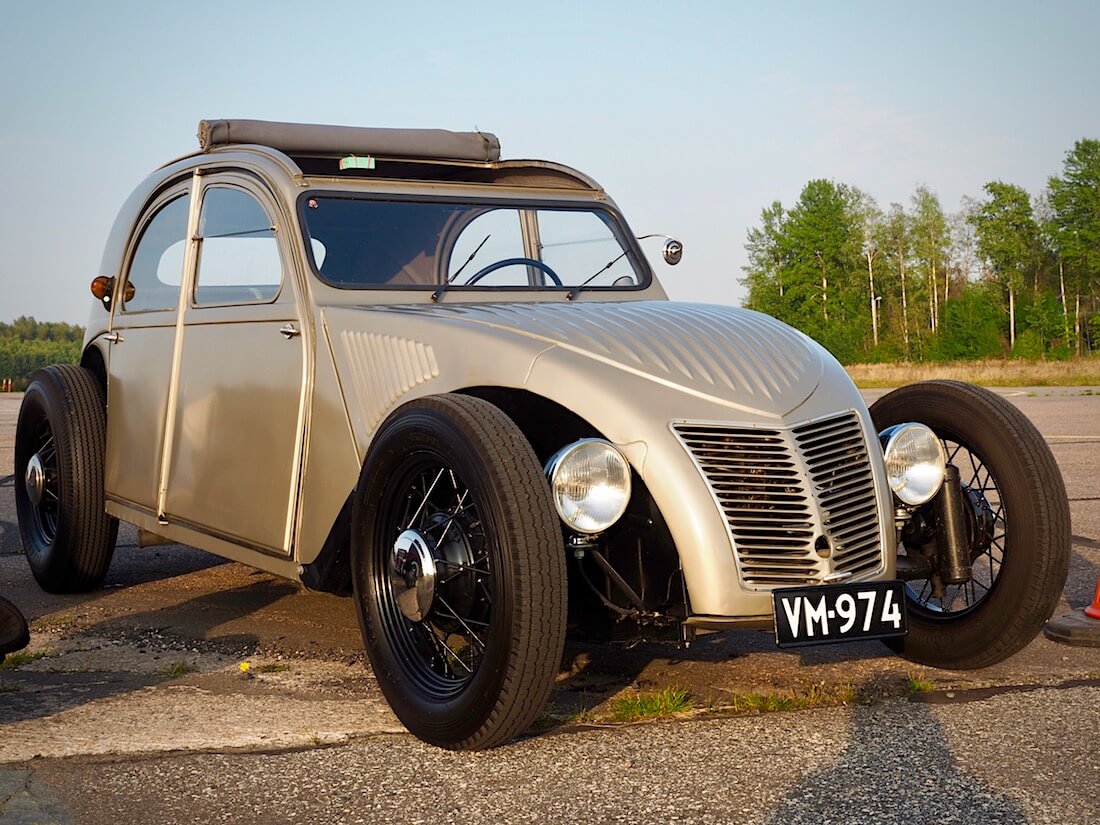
67, 535
13, 629
1019, 570
476, 670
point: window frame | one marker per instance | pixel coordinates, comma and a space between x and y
172, 192
231, 181
616, 224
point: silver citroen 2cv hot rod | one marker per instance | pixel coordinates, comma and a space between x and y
387, 364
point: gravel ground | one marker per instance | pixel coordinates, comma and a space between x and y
1011, 758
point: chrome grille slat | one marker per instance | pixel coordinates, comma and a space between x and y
779, 489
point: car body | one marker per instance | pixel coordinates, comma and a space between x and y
275, 301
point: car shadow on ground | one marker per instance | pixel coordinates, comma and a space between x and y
165, 640
921, 769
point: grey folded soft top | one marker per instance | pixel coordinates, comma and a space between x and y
307, 138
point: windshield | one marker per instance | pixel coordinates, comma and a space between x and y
360, 243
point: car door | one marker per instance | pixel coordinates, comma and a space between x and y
143, 331
236, 419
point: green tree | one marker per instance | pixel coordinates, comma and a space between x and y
869, 217
930, 240
1075, 222
764, 271
822, 253
972, 324
895, 240
27, 345
1008, 238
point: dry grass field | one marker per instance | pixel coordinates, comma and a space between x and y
990, 372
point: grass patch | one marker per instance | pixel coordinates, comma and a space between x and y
651, 705
178, 669
811, 696
274, 667
10, 687
15, 660
918, 684
989, 372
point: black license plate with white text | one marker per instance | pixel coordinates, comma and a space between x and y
839, 613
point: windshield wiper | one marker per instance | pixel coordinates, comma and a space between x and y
443, 286
571, 294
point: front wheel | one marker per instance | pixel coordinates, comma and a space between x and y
459, 572
1018, 527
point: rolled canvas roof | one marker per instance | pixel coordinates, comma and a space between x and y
308, 138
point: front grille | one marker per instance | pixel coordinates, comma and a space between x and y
788, 493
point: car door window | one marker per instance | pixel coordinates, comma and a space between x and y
239, 254
157, 265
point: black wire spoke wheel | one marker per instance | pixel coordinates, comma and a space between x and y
42, 479
1017, 525
458, 567
987, 523
446, 646
60, 443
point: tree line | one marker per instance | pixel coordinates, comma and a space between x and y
1008, 274
27, 344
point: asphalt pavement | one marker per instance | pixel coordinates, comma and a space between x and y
136, 709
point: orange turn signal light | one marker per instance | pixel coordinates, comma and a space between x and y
102, 287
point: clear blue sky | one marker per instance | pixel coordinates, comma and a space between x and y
694, 116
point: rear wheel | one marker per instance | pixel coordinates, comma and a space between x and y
459, 572
59, 462
1017, 522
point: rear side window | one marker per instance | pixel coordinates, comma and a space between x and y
157, 265
239, 255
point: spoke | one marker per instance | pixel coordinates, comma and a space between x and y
424, 502
442, 644
473, 636
485, 591
462, 569
954, 453
454, 515
920, 596
437, 646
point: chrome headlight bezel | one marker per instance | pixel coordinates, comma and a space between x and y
915, 462
564, 471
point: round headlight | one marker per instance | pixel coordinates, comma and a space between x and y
915, 462
590, 481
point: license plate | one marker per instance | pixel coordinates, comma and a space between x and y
839, 613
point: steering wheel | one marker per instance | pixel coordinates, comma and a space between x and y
493, 267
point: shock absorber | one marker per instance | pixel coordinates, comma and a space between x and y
952, 539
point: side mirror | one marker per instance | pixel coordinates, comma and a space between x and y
672, 251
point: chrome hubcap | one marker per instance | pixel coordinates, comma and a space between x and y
35, 480
412, 575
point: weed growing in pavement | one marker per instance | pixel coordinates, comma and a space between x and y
651, 705
178, 669
918, 684
15, 660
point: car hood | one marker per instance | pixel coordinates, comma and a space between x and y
727, 354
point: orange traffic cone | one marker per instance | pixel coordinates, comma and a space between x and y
1081, 629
